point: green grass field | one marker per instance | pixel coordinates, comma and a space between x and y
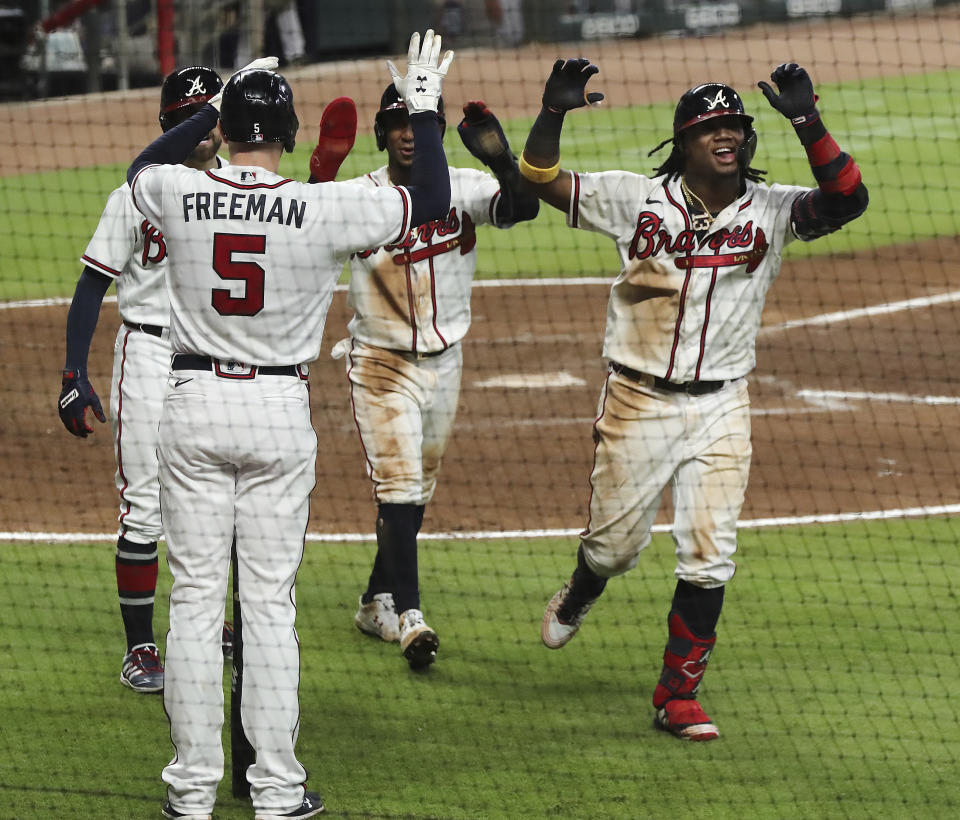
834, 685
901, 131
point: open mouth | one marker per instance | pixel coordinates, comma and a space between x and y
725, 155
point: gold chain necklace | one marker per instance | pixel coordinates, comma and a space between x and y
701, 222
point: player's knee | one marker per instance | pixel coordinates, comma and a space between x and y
609, 560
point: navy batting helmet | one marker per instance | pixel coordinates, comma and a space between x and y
258, 107
184, 92
393, 114
711, 100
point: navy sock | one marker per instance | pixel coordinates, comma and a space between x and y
699, 607
395, 568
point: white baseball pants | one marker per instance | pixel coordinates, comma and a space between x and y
648, 439
404, 410
235, 456
141, 363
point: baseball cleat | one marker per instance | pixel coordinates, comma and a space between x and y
562, 618
141, 669
312, 805
171, 813
418, 642
226, 640
379, 618
685, 718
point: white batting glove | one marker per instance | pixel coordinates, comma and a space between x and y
420, 88
266, 63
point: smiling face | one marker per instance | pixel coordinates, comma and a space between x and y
710, 147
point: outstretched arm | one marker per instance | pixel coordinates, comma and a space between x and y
840, 196
484, 138
540, 162
175, 145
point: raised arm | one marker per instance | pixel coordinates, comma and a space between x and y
420, 89
565, 90
175, 145
483, 137
840, 196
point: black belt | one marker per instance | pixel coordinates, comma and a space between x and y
153, 330
697, 388
416, 355
190, 361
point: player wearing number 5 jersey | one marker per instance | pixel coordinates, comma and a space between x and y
700, 242
128, 249
411, 299
254, 258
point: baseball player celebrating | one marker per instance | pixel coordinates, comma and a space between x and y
254, 258
700, 243
411, 299
128, 249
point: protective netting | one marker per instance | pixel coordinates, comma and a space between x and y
833, 677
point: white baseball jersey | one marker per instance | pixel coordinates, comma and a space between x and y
414, 294
684, 308
130, 250
255, 256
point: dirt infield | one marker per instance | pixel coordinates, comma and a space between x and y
521, 454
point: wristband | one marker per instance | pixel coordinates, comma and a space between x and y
540, 176
805, 119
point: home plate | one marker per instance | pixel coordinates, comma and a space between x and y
535, 381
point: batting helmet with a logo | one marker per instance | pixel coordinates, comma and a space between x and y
710, 100
257, 106
183, 93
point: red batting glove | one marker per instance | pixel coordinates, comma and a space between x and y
338, 130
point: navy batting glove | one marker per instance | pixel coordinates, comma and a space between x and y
566, 85
77, 395
796, 100
481, 133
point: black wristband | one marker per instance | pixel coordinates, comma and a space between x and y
544, 139
811, 132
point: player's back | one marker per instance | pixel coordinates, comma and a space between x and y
254, 258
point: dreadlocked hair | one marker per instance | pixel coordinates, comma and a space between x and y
674, 165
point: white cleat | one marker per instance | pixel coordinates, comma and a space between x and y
418, 642
557, 630
379, 618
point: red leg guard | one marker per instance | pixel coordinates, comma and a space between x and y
684, 662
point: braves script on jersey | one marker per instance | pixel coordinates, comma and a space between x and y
414, 295
255, 244
686, 305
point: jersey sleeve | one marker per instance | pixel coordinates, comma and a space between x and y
367, 217
784, 196
478, 193
147, 190
114, 240
606, 202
